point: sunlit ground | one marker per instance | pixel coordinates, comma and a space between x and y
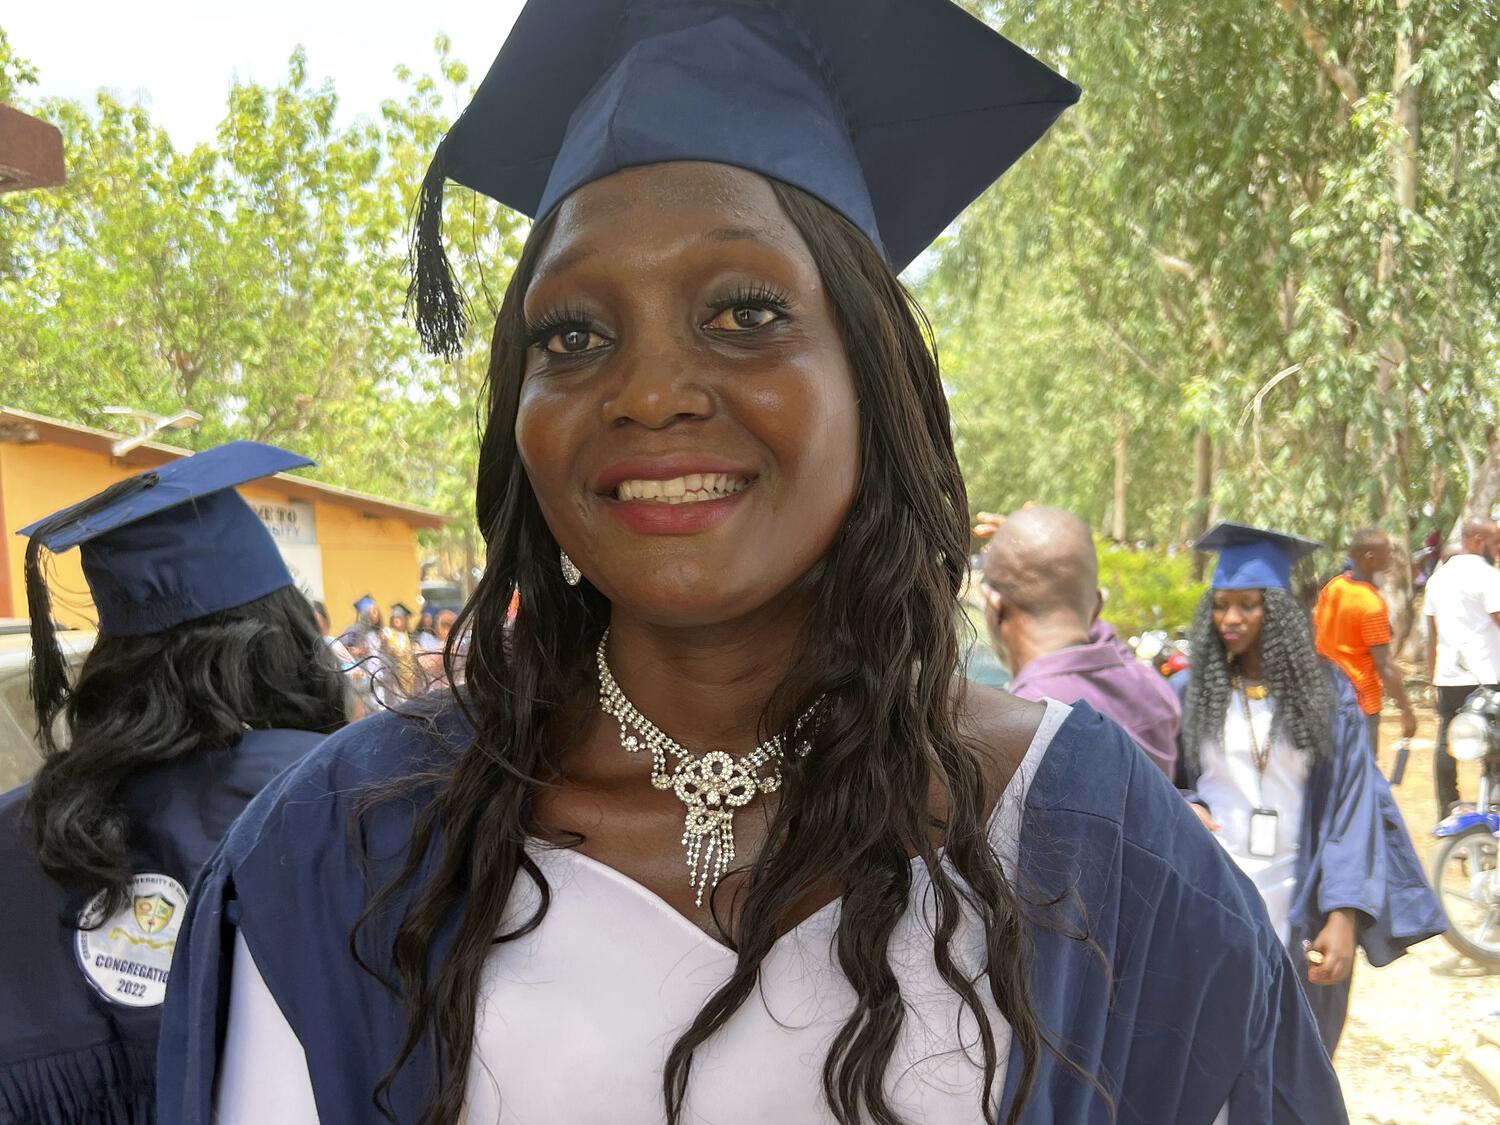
1412, 1023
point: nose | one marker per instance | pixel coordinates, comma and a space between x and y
657, 385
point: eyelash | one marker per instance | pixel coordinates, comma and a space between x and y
569, 318
755, 297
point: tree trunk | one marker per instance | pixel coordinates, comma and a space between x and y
1203, 491
1484, 485
1117, 530
1394, 476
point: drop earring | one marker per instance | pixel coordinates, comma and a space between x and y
571, 573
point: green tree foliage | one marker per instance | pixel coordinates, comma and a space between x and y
1273, 224
258, 279
1147, 589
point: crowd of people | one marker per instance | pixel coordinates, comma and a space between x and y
385, 662
708, 829
1270, 734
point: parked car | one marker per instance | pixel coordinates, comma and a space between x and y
19, 755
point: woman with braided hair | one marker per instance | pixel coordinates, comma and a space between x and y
1275, 757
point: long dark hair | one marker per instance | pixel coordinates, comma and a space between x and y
148, 700
880, 646
1291, 669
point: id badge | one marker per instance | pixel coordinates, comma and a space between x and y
1263, 832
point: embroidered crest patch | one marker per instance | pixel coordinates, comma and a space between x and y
126, 957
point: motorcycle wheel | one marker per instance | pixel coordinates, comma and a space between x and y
1468, 886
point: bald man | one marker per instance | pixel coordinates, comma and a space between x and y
1041, 588
1462, 606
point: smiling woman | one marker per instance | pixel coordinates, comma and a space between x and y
713, 832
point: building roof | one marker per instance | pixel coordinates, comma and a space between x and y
31, 152
20, 427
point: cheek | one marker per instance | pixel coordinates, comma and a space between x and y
550, 431
810, 422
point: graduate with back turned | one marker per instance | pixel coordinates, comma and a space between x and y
1276, 759
209, 676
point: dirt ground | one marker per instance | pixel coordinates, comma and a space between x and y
1411, 1023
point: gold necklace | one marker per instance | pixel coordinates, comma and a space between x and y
1260, 755
711, 786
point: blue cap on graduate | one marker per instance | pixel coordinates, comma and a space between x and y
365, 604
1253, 558
169, 545
895, 113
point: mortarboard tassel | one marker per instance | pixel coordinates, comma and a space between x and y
434, 300
49, 673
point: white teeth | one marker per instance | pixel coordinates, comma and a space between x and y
690, 489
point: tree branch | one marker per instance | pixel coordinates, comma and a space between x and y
1317, 42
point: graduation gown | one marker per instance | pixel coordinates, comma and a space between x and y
1354, 852
1156, 971
71, 1048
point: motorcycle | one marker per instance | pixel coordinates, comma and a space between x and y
1466, 869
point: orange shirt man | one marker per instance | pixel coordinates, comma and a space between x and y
1353, 629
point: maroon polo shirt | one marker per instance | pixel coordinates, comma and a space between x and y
1115, 682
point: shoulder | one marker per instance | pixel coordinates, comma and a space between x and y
11, 805
1100, 811
1000, 726
309, 806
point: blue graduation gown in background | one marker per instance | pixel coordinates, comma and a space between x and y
66, 1053
1355, 853
1180, 1000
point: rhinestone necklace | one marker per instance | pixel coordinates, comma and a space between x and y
711, 785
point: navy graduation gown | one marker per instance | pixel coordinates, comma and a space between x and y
1159, 975
1354, 853
67, 1053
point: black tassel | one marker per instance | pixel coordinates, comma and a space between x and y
49, 675
49, 672
434, 299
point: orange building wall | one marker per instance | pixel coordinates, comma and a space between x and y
361, 554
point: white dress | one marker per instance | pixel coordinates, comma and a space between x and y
577, 1018
1229, 785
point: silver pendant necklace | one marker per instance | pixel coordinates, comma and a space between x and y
712, 785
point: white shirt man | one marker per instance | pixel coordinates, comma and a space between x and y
1462, 607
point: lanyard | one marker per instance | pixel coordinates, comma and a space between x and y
1260, 756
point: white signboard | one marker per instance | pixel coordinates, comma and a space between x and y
288, 521
305, 561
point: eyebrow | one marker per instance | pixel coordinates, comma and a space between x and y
577, 255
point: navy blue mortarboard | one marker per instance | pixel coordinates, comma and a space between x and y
1253, 558
896, 113
365, 603
169, 545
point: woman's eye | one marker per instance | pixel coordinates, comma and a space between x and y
572, 341
743, 318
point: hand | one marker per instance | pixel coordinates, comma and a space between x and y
1408, 723
1334, 945
1206, 817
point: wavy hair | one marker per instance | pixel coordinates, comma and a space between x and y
1291, 668
141, 702
880, 647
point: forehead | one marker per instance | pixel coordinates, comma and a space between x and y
1251, 596
662, 204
